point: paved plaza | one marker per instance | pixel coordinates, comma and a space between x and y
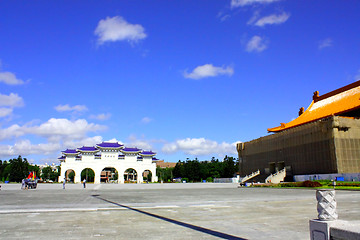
162, 211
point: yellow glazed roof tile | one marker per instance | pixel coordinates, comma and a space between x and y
337, 102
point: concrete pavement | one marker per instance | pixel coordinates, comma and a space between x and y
162, 211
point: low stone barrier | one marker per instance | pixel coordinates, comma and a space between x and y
327, 226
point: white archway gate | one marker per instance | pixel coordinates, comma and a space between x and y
78, 167
109, 155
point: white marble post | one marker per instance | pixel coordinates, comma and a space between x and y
327, 215
326, 204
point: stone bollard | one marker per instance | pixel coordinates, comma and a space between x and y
326, 205
327, 215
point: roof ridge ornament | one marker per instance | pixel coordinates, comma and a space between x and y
301, 111
316, 95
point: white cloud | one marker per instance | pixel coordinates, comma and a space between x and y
67, 108
65, 128
357, 76
208, 70
199, 146
256, 44
223, 16
59, 134
142, 143
101, 117
12, 100
271, 19
25, 147
114, 140
10, 78
242, 3
5, 112
11, 132
86, 141
54, 129
146, 120
118, 29
254, 17
8, 102
328, 42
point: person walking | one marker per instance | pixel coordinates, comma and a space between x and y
64, 183
84, 182
23, 184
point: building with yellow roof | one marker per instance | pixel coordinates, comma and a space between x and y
324, 139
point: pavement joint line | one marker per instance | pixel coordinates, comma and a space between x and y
48, 210
202, 205
167, 206
78, 209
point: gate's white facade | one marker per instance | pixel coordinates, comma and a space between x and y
108, 155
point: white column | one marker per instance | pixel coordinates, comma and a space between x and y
77, 177
120, 174
97, 176
140, 178
62, 174
121, 177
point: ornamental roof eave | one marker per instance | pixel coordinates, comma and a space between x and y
334, 103
147, 153
70, 152
130, 150
88, 149
109, 145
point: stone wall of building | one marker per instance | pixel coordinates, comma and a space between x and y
347, 144
329, 145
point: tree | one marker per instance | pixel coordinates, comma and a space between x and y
47, 173
71, 176
88, 174
3, 165
18, 170
196, 171
164, 174
229, 167
179, 170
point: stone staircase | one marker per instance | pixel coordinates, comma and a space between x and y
248, 177
276, 177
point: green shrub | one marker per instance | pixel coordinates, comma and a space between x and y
348, 184
324, 182
290, 184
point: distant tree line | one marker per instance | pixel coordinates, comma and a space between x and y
48, 173
16, 169
196, 171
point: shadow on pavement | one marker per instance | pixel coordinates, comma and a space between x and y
187, 225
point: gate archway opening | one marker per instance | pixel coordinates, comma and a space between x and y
109, 175
147, 176
88, 174
69, 175
130, 176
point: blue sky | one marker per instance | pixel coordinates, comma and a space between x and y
182, 78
